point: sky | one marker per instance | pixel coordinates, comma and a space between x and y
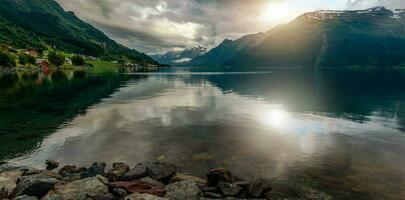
157, 26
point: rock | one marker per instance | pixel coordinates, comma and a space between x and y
313, 194
119, 169
212, 195
278, 196
205, 188
119, 192
229, 189
84, 189
152, 182
139, 171
67, 170
35, 185
5, 167
12, 175
218, 174
25, 197
51, 164
109, 196
51, 174
138, 186
161, 171
182, 177
183, 190
256, 188
6, 187
243, 184
139, 196
95, 169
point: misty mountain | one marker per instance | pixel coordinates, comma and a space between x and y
176, 58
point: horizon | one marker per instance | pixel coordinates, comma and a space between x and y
156, 27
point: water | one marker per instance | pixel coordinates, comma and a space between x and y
338, 131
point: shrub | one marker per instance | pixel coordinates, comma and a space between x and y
56, 59
78, 60
24, 59
6, 60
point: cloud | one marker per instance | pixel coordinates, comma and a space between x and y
155, 26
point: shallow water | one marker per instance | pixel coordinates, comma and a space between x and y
338, 131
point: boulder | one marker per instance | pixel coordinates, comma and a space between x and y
313, 194
68, 170
139, 196
25, 197
5, 167
119, 192
139, 171
138, 186
12, 175
84, 189
182, 177
6, 187
119, 169
183, 190
256, 188
152, 182
109, 196
95, 169
51, 164
162, 171
214, 176
34, 185
229, 189
212, 195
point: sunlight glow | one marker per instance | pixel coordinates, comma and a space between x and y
276, 117
275, 12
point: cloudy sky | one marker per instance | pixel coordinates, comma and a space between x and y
156, 26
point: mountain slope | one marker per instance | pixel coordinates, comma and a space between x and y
226, 50
372, 37
176, 58
37, 23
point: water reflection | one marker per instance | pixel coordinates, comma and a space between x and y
316, 128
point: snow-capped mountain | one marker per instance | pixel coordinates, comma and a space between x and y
178, 58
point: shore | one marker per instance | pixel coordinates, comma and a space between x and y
144, 181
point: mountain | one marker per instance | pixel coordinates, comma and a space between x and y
179, 57
226, 50
373, 37
42, 23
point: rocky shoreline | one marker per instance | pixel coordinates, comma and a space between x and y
144, 181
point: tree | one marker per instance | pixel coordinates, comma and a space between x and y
78, 60
24, 59
6, 60
56, 59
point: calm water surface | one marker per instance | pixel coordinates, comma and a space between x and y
339, 131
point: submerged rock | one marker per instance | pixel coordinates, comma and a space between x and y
139, 196
6, 187
139, 171
51, 164
218, 174
88, 188
162, 171
182, 177
183, 190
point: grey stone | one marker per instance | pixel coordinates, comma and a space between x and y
138, 196
84, 189
162, 171
6, 187
139, 171
212, 195
119, 192
95, 169
26, 197
152, 182
51, 164
183, 190
229, 189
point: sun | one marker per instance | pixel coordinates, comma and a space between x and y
275, 12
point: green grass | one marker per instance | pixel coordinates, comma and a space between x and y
100, 63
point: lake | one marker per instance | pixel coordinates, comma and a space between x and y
340, 131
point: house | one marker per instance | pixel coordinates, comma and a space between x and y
43, 63
68, 61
